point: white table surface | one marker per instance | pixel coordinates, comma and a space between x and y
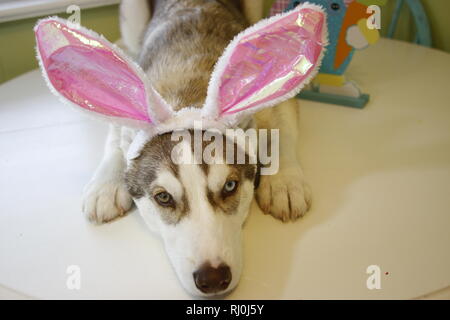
381, 195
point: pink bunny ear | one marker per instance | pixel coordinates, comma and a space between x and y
85, 69
269, 62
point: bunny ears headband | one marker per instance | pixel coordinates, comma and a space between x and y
262, 66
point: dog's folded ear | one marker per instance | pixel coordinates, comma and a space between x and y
85, 70
267, 63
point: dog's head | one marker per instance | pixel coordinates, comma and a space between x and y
198, 209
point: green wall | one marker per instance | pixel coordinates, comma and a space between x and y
17, 40
17, 54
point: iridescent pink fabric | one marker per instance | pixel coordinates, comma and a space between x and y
272, 61
87, 71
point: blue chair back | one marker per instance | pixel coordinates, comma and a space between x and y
423, 33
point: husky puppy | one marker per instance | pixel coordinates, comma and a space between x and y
197, 209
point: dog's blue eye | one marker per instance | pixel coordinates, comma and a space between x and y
164, 199
230, 186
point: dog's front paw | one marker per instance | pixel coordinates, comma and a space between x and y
284, 195
105, 201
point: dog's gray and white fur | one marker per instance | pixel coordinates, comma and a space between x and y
177, 42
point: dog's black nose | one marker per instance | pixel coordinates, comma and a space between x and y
212, 280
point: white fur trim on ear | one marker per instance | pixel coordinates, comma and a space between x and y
138, 143
211, 106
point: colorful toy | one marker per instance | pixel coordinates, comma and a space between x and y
348, 31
